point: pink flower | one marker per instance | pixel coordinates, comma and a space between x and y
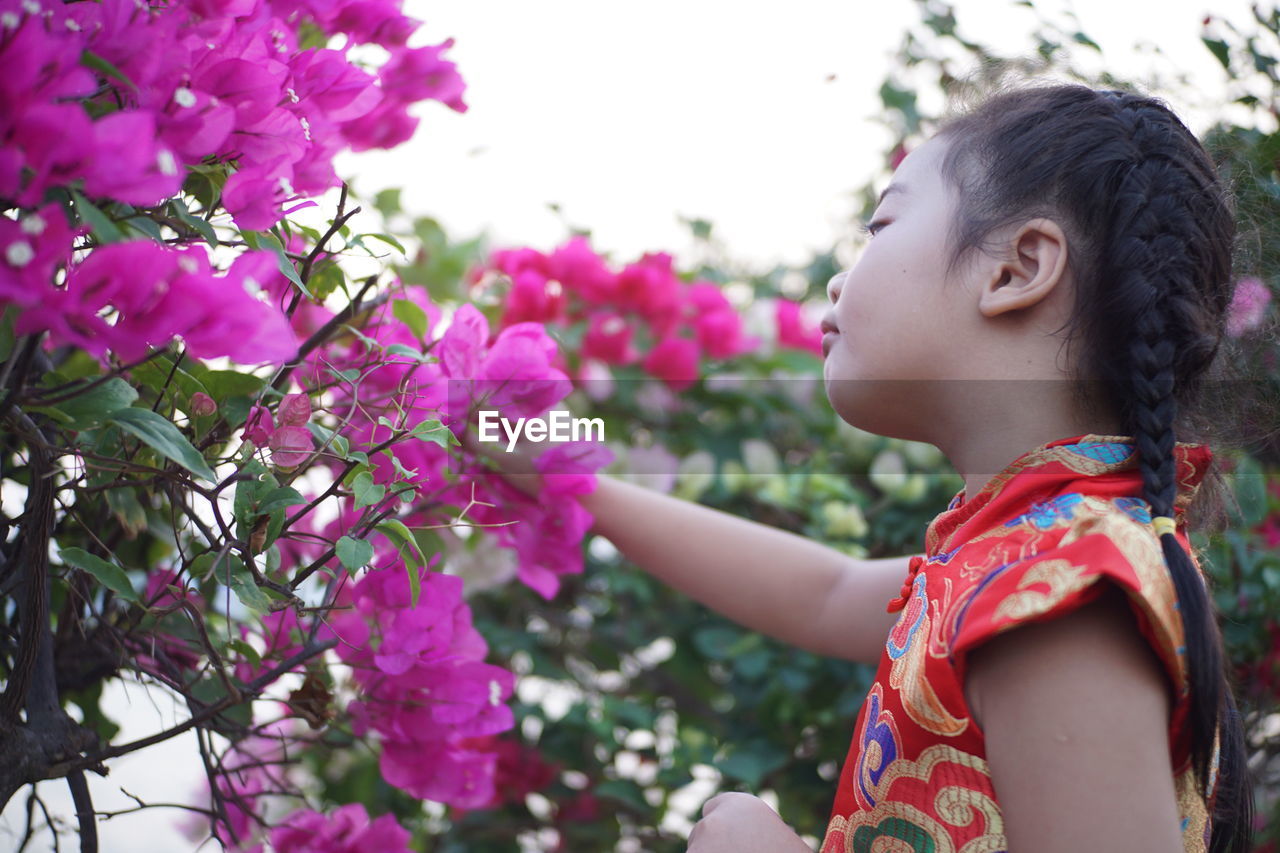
294, 409
608, 338
290, 446
33, 247
1248, 306
127, 164
202, 405
259, 426
793, 331
674, 361
425, 689
416, 74
378, 21
650, 287
582, 272
717, 323
385, 126
347, 830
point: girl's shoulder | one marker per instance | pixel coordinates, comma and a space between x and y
1052, 559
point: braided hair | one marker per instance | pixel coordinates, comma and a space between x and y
1151, 231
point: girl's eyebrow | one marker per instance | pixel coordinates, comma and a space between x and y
892, 188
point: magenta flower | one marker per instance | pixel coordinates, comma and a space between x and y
651, 287
717, 322
127, 164
347, 830
425, 687
385, 126
259, 426
674, 361
33, 247
378, 21
416, 74
608, 338
793, 331
294, 409
202, 405
1248, 306
582, 272
290, 446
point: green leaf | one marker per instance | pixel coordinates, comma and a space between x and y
354, 553
1250, 490
96, 404
160, 434
249, 652
109, 574
412, 315
249, 593
103, 228
388, 201
400, 535
1219, 50
222, 384
434, 430
159, 373
267, 240
279, 498
89, 59
367, 492
752, 762
196, 223
390, 241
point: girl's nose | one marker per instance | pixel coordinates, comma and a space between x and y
833, 286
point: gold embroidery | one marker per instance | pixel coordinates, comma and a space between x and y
957, 806
907, 676
1062, 577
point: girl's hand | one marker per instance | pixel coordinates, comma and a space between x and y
740, 823
516, 467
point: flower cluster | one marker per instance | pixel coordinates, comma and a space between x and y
286, 433
347, 830
155, 293
642, 313
117, 99
425, 688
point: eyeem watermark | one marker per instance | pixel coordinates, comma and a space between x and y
558, 426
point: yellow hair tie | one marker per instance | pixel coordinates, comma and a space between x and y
1164, 524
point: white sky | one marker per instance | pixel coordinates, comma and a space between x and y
629, 116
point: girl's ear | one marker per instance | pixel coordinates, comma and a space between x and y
1034, 262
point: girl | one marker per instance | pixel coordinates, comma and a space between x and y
1049, 271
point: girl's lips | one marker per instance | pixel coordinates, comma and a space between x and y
828, 341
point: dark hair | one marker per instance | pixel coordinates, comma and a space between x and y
1150, 229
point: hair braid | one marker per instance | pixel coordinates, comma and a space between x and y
1150, 215
1151, 232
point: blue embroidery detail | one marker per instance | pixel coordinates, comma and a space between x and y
877, 731
1046, 514
1107, 452
1135, 508
893, 649
942, 558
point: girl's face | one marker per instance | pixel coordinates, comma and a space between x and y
899, 322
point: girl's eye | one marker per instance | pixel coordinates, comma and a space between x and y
871, 228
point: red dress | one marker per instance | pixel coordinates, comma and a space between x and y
1031, 546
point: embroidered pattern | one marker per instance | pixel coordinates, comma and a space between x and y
1036, 542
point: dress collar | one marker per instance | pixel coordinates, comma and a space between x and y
1103, 465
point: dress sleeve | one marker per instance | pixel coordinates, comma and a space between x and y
1102, 547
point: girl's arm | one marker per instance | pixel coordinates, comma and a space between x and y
1075, 712
772, 581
